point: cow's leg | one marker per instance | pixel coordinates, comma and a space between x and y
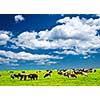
36, 78
75, 76
33, 78
25, 77
21, 77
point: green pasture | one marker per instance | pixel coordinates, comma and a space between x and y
93, 79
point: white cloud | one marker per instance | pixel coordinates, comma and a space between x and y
12, 64
4, 37
45, 62
11, 58
85, 57
26, 39
8, 61
98, 15
73, 33
19, 18
26, 56
51, 62
3, 61
13, 47
64, 20
67, 52
29, 40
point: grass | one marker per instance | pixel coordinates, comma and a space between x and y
93, 79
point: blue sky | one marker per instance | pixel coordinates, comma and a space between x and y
49, 41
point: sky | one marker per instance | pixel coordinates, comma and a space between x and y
49, 41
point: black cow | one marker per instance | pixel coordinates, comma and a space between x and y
69, 74
60, 73
47, 74
50, 71
11, 72
33, 76
0, 75
72, 75
22, 76
94, 70
14, 76
23, 71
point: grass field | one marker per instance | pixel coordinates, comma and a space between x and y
93, 79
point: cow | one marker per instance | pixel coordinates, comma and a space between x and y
80, 72
50, 71
0, 75
13, 76
47, 74
33, 76
69, 74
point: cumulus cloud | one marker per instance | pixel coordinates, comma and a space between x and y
26, 39
8, 61
3, 61
13, 47
26, 56
67, 52
45, 62
98, 15
19, 18
29, 40
75, 35
12, 64
4, 37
